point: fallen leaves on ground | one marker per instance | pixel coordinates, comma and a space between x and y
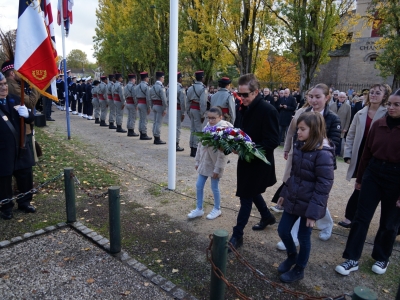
175, 270
90, 280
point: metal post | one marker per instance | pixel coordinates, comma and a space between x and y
219, 254
115, 222
363, 293
70, 195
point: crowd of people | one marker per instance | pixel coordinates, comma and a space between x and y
316, 129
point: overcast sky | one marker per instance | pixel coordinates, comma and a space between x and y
81, 31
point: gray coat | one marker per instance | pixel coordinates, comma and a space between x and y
157, 92
355, 136
197, 93
344, 114
224, 99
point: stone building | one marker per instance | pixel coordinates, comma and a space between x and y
354, 63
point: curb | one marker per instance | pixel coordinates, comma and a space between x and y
156, 279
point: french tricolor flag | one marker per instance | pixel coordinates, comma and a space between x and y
34, 52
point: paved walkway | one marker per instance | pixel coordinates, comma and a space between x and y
62, 263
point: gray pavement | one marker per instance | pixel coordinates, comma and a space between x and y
61, 263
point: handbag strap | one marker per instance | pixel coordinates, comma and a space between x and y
10, 125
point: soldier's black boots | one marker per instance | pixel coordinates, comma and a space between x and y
103, 123
131, 132
158, 141
193, 151
111, 126
144, 136
178, 148
97, 121
119, 129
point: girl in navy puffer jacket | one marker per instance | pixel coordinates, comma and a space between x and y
305, 194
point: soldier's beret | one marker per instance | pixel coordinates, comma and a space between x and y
179, 75
96, 82
225, 80
7, 65
199, 74
131, 76
110, 76
118, 75
144, 75
159, 74
103, 77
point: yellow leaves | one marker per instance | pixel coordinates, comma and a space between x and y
386, 291
175, 270
90, 280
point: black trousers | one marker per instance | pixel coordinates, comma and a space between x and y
380, 183
79, 106
47, 107
351, 206
87, 108
24, 178
245, 210
73, 103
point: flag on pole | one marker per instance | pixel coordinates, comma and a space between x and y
66, 6
34, 54
48, 19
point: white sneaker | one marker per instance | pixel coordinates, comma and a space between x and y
90, 118
215, 213
74, 113
196, 213
84, 116
281, 246
277, 208
70, 110
325, 234
80, 115
347, 267
380, 267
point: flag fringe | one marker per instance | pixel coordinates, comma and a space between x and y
42, 92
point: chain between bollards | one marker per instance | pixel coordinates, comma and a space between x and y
115, 221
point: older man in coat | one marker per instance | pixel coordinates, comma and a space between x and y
343, 110
260, 121
14, 162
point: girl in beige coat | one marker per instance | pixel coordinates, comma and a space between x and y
373, 110
210, 163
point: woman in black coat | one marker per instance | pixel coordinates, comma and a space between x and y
260, 121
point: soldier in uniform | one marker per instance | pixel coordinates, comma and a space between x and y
224, 100
79, 95
110, 101
95, 101
84, 105
119, 101
131, 104
159, 105
73, 97
181, 108
60, 91
88, 97
143, 103
102, 95
196, 107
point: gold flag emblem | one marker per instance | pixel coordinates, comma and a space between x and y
39, 74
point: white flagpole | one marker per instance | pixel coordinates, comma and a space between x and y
173, 70
65, 71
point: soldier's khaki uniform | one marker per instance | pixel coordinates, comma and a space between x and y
181, 109
110, 101
131, 104
159, 104
224, 99
102, 95
119, 102
95, 102
196, 107
143, 104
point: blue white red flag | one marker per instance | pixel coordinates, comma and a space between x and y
66, 6
34, 52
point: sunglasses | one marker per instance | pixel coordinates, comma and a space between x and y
244, 95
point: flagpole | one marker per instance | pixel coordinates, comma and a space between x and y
65, 71
172, 113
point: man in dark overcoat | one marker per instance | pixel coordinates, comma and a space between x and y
287, 106
259, 120
14, 162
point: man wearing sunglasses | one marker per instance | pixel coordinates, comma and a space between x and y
259, 120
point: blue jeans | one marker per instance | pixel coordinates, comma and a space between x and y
284, 228
201, 181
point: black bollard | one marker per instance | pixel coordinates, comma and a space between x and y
363, 293
219, 254
70, 195
115, 221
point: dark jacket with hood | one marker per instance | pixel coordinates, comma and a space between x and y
307, 190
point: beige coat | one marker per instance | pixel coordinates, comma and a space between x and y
211, 161
355, 135
289, 142
344, 115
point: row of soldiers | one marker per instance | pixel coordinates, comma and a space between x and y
111, 97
